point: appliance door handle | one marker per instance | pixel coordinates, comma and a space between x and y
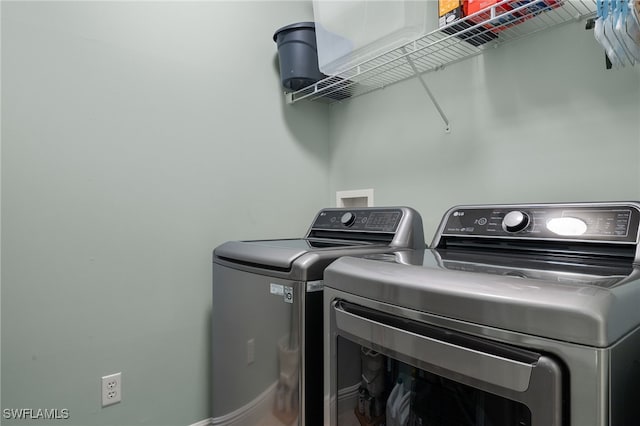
460, 360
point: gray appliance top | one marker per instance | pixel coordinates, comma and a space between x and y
334, 232
572, 280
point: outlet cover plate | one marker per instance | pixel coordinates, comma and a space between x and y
111, 389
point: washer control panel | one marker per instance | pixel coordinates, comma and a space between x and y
367, 220
589, 222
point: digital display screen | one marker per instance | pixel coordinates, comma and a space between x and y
604, 223
382, 221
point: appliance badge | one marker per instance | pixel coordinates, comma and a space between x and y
281, 290
288, 294
277, 289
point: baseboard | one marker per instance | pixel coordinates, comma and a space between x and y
205, 422
249, 413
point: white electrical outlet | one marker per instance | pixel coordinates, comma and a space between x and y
111, 389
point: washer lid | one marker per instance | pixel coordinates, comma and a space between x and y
277, 254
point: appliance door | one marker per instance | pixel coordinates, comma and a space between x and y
258, 342
448, 378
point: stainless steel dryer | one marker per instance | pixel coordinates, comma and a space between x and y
267, 313
523, 315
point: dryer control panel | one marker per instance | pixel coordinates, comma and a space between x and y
572, 222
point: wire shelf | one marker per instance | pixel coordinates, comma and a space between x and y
462, 39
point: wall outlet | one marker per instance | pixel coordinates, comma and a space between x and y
111, 389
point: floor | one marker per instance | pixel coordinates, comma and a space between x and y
348, 419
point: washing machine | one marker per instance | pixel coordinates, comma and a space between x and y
523, 315
267, 326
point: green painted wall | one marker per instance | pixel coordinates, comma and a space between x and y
136, 137
536, 121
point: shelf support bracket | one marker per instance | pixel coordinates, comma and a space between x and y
426, 88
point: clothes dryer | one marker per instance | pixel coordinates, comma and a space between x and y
518, 315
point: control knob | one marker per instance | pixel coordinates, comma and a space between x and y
348, 219
515, 221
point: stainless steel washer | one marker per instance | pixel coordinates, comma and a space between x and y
267, 313
521, 315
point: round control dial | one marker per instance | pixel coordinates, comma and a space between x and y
515, 221
348, 219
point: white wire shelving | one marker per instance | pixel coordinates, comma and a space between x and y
462, 39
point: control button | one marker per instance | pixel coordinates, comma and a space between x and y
482, 221
348, 219
515, 221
